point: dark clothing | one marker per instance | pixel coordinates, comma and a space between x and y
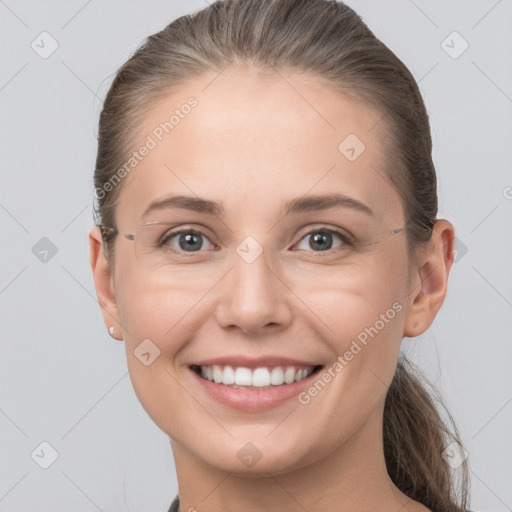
175, 505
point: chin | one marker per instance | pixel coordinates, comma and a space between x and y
258, 456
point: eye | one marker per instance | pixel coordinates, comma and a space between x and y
190, 241
322, 239
187, 240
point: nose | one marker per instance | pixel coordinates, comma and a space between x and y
253, 298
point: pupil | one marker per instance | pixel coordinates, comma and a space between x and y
322, 240
190, 241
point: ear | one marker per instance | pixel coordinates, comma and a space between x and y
429, 280
104, 282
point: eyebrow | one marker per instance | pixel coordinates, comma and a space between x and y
324, 202
299, 205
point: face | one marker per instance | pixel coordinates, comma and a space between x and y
272, 285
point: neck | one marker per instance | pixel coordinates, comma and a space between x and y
352, 478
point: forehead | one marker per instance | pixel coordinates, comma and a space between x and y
259, 139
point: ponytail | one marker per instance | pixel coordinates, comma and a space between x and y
415, 437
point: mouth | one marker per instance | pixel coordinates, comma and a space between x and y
255, 379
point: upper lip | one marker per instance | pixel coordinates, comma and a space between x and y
257, 362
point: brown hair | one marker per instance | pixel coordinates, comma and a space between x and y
328, 39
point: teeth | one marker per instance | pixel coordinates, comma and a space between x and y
289, 375
277, 376
243, 377
259, 377
301, 374
217, 374
228, 376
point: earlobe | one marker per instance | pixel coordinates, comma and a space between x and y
429, 282
103, 281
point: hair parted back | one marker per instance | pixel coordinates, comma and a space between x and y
328, 39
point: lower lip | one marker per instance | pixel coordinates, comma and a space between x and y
253, 400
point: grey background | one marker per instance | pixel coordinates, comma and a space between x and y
64, 381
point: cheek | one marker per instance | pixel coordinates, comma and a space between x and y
160, 318
349, 299
156, 318
367, 326
365, 333
361, 314
151, 305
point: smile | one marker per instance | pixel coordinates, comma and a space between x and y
257, 378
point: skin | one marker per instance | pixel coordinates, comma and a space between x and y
252, 143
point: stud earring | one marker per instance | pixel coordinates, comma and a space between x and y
111, 330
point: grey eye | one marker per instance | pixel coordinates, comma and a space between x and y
188, 241
321, 240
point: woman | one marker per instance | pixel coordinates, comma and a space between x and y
266, 236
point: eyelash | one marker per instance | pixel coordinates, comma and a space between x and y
346, 242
